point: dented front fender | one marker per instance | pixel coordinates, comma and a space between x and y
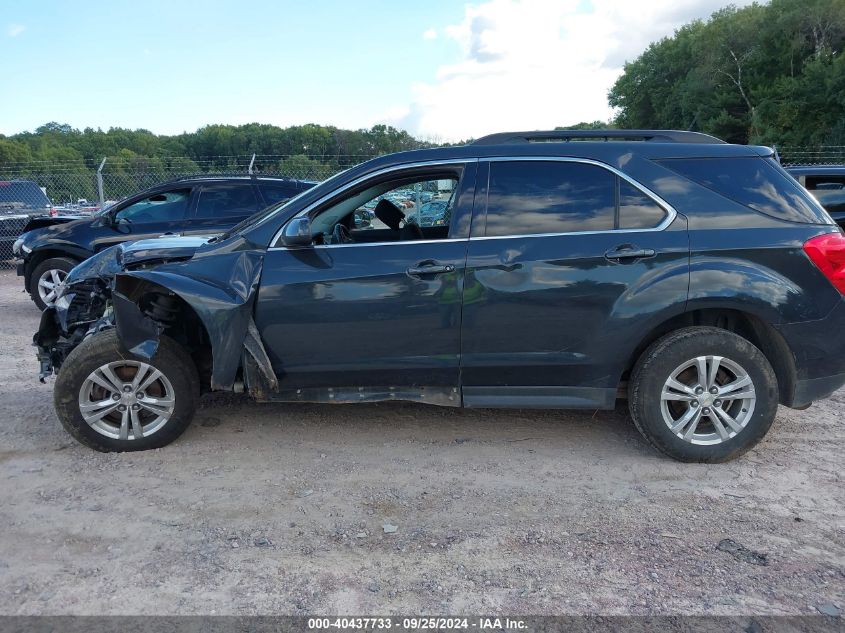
221, 290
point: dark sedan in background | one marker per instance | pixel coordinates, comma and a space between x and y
20, 202
199, 206
827, 184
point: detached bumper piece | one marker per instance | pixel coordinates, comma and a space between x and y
46, 340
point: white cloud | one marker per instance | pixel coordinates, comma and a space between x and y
537, 64
430, 34
15, 29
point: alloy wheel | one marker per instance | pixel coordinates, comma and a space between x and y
126, 400
707, 400
49, 283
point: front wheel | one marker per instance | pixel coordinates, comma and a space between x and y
46, 280
702, 394
112, 400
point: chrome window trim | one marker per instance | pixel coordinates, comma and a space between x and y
369, 244
671, 212
358, 181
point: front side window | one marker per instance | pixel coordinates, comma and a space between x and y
406, 209
222, 201
160, 207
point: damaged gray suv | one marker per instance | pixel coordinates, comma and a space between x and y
694, 276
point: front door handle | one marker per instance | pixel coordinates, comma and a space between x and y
170, 234
628, 251
431, 268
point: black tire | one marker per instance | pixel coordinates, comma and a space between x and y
64, 264
658, 362
170, 358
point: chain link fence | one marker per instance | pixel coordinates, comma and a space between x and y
827, 155
72, 187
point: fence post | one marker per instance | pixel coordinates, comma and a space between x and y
251, 163
100, 182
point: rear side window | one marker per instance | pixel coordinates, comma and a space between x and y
535, 197
541, 197
222, 201
277, 193
753, 182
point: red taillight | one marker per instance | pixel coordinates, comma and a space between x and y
827, 252
53, 212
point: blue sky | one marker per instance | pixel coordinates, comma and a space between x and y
442, 69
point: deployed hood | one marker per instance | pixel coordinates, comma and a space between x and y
164, 248
107, 263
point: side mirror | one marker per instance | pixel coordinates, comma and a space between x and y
109, 218
298, 232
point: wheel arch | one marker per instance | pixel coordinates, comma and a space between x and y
41, 255
221, 305
749, 326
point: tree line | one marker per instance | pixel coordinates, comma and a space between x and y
64, 159
210, 147
765, 74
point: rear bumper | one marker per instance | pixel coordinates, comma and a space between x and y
818, 349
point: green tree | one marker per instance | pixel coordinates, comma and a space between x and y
768, 73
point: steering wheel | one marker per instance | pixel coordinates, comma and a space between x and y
340, 235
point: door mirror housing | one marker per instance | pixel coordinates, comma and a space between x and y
298, 232
109, 218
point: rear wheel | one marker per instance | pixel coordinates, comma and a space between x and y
702, 394
46, 279
112, 400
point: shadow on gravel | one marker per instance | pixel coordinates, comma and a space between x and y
393, 421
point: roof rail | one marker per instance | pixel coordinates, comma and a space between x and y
657, 136
229, 175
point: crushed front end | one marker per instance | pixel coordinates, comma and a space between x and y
82, 310
146, 289
84, 303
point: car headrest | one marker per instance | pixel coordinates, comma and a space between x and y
389, 213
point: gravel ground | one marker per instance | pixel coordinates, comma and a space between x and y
263, 509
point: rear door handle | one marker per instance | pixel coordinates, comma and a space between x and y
432, 268
629, 252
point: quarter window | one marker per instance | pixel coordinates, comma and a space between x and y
753, 182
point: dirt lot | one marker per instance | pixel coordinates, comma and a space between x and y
280, 509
